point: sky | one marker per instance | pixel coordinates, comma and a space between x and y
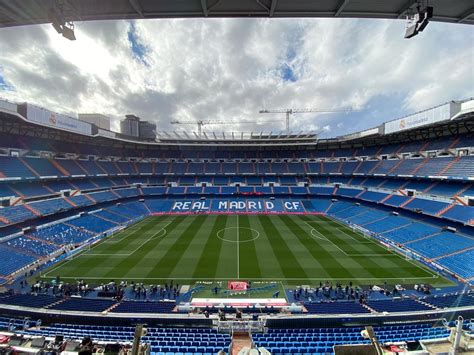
229, 69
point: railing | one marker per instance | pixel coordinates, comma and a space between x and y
250, 326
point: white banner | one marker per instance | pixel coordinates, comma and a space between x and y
423, 118
7, 105
49, 118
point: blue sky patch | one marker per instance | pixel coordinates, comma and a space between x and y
139, 50
291, 65
4, 86
287, 73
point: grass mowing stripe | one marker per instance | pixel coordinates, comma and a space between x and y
131, 262
288, 263
395, 265
125, 244
192, 251
209, 259
85, 265
265, 254
398, 262
313, 246
174, 253
350, 246
370, 264
249, 265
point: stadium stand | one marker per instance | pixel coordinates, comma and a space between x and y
162, 340
321, 340
335, 308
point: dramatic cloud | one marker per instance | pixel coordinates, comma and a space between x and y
228, 70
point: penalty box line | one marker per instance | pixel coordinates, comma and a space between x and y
162, 229
391, 252
323, 237
127, 233
74, 257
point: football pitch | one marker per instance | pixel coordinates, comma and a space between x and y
291, 249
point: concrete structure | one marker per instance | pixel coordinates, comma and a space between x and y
97, 119
134, 127
147, 130
130, 126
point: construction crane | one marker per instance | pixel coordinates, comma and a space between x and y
290, 111
202, 123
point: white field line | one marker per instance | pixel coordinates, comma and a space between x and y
57, 267
127, 232
259, 278
317, 237
162, 229
366, 241
238, 247
329, 225
98, 254
392, 252
342, 251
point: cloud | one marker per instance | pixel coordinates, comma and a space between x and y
229, 69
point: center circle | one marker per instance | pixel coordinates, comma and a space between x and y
238, 234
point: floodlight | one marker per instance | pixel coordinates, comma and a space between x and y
418, 22
68, 32
58, 27
411, 31
57, 20
428, 14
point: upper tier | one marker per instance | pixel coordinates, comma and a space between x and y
14, 168
448, 145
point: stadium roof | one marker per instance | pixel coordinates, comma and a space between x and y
25, 12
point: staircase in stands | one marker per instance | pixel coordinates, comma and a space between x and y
450, 164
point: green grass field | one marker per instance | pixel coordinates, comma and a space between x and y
293, 249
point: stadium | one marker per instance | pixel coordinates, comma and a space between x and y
246, 243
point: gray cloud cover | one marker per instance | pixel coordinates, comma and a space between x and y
229, 69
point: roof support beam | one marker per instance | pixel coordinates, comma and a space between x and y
273, 7
341, 7
466, 15
137, 7
213, 6
406, 7
204, 8
263, 6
